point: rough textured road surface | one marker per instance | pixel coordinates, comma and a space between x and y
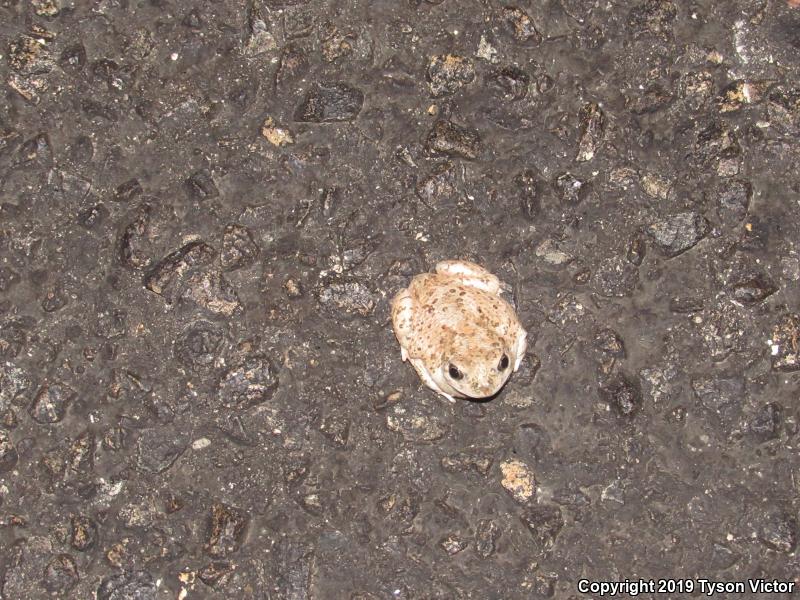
206, 208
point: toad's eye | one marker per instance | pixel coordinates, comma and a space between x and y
503, 364
455, 373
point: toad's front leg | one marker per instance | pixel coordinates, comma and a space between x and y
403, 307
423, 373
520, 345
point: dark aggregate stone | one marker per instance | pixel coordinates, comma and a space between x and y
452, 545
128, 191
754, 235
293, 64
167, 276
570, 188
99, 111
448, 139
722, 558
733, 200
417, 428
739, 93
93, 216
637, 250
678, 233
55, 298
79, 459
201, 186
8, 453
527, 186
61, 574
159, 448
475, 460
111, 323
486, 536
14, 382
778, 532
114, 439
511, 82
216, 573
37, 151
259, 39
719, 395
73, 57
193, 19
351, 298
105, 70
211, 291
717, 147
722, 331
226, 530
236, 430
686, 304
766, 423
609, 344
28, 55
238, 248
784, 343
783, 105
83, 533
544, 586
448, 73
754, 289
439, 186
510, 118
249, 384
294, 565
624, 396
330, 103
592, 127
544, 522
133, 585
9, 419
199, 345
51, 402
653, 17
13, 337
133, 244
521, 26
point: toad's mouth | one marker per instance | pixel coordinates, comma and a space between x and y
480, 392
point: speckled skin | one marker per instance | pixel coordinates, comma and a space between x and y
455, 317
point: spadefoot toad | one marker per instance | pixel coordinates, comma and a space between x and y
461, 336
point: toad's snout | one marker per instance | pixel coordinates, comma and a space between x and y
489, 390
